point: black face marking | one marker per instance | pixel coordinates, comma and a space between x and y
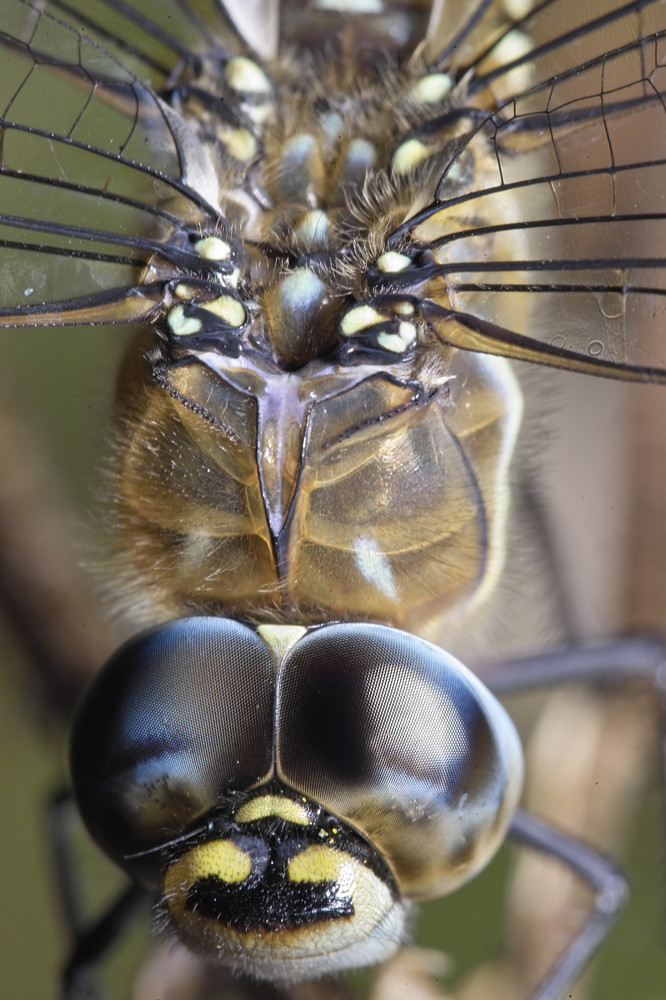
272, 903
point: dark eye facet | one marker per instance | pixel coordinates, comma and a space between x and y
395, 736
177, 718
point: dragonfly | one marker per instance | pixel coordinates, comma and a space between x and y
334, 232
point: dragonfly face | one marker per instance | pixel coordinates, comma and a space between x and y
245, 807
331, 267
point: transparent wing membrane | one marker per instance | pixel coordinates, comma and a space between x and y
510, 54
93, 177
545, 230
150, 39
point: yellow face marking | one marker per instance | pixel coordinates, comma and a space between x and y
272, 805
321, 863
370, 931
220, 859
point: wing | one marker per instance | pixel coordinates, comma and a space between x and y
97, 173
544, 239
542, 232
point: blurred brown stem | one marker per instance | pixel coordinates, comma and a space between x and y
42, 587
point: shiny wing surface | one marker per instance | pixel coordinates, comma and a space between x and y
96, 173
542, 227
150, 40
546, 228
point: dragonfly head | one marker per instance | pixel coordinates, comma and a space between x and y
289, 791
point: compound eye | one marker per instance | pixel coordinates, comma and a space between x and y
399, 739
177, 718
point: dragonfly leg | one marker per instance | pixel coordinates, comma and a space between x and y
609, 664
611, 892
633, 658
91, 944
90, 939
